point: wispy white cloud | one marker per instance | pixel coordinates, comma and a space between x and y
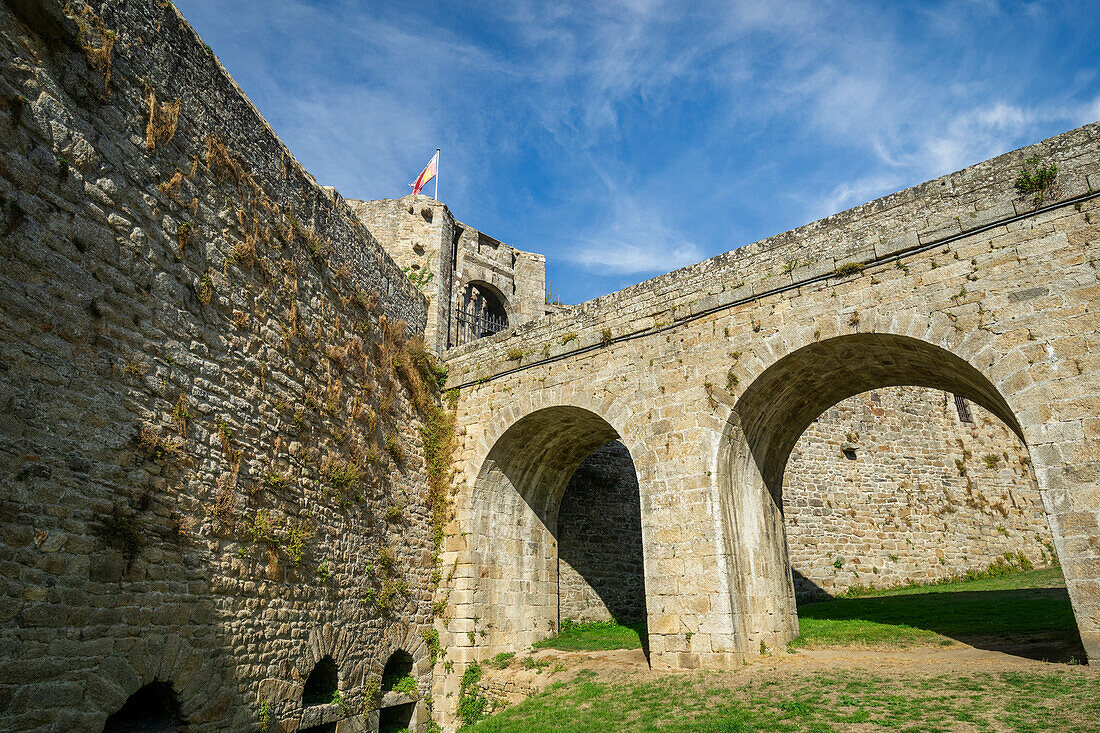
631, 242
600, 134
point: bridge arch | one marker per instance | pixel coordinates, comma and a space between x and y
778, 406
765, 423
514, 516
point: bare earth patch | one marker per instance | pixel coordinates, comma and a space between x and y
925, 688
997, 654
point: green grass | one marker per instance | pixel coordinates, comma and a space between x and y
784, 700
1023, 605
1014, 607
595, 636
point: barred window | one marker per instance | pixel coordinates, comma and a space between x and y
963, 408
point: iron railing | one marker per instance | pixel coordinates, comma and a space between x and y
476, 324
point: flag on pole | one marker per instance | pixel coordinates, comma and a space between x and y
427, 174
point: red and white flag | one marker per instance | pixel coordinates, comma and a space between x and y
427, 174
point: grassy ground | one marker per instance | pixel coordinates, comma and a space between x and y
992, 613
1013, 608
1066, 700
596, 636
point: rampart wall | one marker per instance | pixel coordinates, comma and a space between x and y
213, 474
600, 569
892, 487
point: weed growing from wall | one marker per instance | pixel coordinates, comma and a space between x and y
163, 119
94, 39
1036, 179
471, 704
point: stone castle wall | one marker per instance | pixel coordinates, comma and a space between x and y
445, 256
600, 569
213, 475
416, 231
920, 495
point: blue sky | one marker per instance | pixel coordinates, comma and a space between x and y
623, 139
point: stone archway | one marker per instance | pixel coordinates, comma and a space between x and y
905, 485
766, 422
513, 521
483, 311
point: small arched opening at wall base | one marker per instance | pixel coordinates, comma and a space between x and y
152, 709
482, 312
322, 684
537, 499
396, 718
397, 675
766, 425
399, 694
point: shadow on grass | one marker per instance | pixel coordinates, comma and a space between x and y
1036, 623
598, 636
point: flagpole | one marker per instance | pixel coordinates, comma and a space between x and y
437, 174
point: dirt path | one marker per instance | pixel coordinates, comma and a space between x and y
515, 683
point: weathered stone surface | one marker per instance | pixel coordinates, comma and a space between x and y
191, 351
893, 486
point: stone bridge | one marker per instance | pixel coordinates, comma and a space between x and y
709, 375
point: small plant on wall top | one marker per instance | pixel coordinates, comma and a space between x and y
1036, 179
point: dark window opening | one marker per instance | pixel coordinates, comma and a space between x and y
398, 675
963, 409
484, 241
322, 684
152, 709
849, 453
396, 718
482, 314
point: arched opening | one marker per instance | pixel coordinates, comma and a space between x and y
399, 693
152, 709
522, 540
601, 574
397, 674
322, 684
482, 312
907, 485
773, 414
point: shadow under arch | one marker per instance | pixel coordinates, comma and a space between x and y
154, 708
515, 502
782, 402
763, 428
